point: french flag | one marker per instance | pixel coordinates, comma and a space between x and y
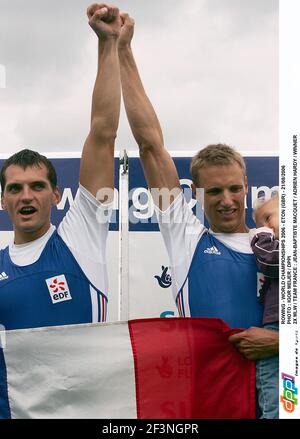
149, 368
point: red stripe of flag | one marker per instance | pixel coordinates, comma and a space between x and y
187, 368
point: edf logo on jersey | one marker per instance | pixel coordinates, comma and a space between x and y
58, 289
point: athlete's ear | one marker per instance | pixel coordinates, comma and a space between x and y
198, 192
56, 197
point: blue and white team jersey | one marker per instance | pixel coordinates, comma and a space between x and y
60, 278
213, 274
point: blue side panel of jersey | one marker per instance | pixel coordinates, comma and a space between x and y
222, 283
25, 300
4, 402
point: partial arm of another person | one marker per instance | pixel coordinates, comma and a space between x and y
176, 224
97, 162
158, 165
256, 343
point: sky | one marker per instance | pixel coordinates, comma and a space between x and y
210, 68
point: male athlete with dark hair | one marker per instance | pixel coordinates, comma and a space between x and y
58, 276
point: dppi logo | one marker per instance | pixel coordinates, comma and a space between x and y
164, 279
290, 391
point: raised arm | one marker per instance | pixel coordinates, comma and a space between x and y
97, 162
159, 168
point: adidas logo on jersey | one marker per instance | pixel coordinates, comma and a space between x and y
212, 251
3, 276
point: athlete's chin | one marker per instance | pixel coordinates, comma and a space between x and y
29, 228
230, 227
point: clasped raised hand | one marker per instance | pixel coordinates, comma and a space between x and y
104, 20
